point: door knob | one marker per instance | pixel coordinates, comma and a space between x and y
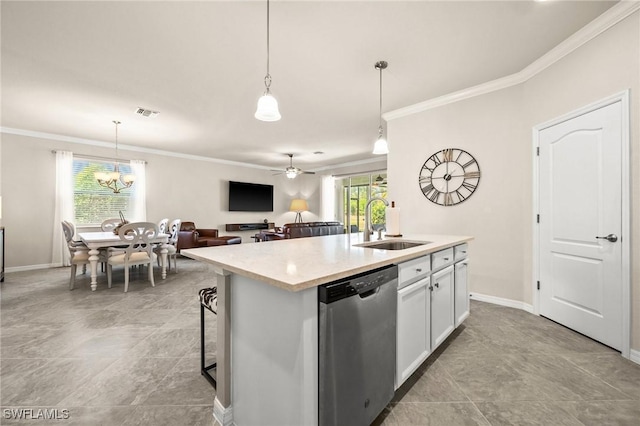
611, 238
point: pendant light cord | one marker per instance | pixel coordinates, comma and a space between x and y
116, 122
380, 98
267, 78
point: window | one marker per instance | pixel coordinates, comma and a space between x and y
356, 191
94, 203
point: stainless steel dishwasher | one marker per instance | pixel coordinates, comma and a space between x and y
357, 347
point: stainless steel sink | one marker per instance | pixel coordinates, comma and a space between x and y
392, 245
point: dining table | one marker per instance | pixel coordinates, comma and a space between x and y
101, 240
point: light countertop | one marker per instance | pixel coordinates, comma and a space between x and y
302, 263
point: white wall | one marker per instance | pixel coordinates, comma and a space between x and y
192, 190
496, 129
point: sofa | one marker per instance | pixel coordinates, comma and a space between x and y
190, 237
304, 229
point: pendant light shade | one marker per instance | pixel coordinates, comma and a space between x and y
267, 105
267, 108
381, 147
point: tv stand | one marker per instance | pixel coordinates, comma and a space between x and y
234, 227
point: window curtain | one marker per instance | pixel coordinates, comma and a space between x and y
63, 207
139, 195
327, 198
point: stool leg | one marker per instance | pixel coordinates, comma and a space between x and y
202, 339
204, 370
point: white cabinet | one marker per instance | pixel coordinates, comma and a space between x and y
413, 338
442, 301
413, 342
432, 300
461, 291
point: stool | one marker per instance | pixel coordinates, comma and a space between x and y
209, 300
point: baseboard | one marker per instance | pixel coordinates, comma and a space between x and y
501, 301
31, 267
222, 415
634, 356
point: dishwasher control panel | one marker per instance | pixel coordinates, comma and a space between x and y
357, 284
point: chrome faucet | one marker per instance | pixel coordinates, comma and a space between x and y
367, 217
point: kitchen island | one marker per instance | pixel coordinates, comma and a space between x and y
267, 347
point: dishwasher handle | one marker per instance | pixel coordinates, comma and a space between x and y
369, 293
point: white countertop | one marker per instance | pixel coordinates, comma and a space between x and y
301, 263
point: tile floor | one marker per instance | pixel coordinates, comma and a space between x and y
133, 359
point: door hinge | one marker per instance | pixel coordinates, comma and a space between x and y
537, 218
538, 151
538, 285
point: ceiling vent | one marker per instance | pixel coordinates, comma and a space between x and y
147, 112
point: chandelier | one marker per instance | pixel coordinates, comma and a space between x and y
114, 180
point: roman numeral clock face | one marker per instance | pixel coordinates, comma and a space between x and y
449, 176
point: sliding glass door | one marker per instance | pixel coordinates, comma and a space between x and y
356, 191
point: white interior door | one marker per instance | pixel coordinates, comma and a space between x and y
580, 204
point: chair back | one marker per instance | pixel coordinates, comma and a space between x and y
173, 230
162, 225
110, 224
138, 236
69, 230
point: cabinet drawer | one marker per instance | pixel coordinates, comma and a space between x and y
442, 258
460, 251
413, 269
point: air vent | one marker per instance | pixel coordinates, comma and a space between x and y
147, 112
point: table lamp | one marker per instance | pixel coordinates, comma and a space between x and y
298, 206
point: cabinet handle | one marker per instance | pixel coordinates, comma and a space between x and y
437, 285
431, 288
446, 258
418, 269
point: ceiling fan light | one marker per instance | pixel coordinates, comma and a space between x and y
381, 147
267, 108
291, 174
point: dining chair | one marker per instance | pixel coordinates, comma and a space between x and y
172, 245
79, 253
162, 225
110, 224
139, 251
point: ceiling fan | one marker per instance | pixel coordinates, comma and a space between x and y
291, 172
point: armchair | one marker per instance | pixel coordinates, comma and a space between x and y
191, 237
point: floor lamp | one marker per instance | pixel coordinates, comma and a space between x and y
298, 206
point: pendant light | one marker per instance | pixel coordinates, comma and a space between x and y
111, 180
381, 146
267, 105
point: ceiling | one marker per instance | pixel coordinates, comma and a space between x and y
70, 68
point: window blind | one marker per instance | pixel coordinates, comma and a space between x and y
94, 203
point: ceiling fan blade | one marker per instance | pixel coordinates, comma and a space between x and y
307, 173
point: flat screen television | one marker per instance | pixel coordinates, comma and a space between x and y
250, 197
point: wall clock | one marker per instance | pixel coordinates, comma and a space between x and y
449, 176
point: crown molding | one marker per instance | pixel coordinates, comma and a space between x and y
132, 148
349, 164
593, 29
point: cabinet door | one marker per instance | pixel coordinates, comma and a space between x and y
442, 300
461, 291
413, 340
